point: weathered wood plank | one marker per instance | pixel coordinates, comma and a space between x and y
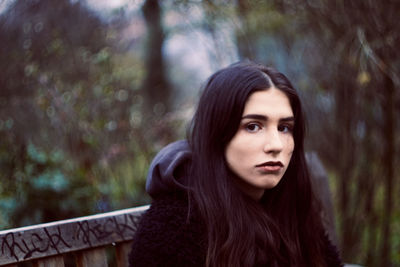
122, 251
44, 240
92, 257
55, 261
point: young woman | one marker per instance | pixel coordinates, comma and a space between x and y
238, 192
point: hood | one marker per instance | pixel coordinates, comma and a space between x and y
166, 172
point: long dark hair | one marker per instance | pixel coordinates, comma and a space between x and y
284, 228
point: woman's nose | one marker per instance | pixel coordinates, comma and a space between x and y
273, 142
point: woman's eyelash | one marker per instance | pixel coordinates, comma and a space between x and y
286, 127
252, 127
255, 127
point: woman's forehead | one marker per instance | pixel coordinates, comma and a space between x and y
269, 102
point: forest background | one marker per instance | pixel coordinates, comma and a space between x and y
91, 90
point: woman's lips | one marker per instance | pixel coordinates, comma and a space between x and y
270, 166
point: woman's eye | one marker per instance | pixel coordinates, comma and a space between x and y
252, 127
285, 128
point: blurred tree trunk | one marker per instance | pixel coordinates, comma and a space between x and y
211, 10
244, 39
366, 181
345, 109
320, 184
155, 87
388, 164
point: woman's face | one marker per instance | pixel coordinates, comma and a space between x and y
260, 151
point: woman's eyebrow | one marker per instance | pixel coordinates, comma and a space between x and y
265, 118
255, 117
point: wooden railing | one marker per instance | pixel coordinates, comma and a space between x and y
85, 238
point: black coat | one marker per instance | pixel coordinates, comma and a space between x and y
167, 236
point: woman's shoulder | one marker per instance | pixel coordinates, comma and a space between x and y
169, 234
169, 212
331, 253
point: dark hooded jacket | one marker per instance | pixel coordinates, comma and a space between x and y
171, 232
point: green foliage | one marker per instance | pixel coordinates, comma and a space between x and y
72, 141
